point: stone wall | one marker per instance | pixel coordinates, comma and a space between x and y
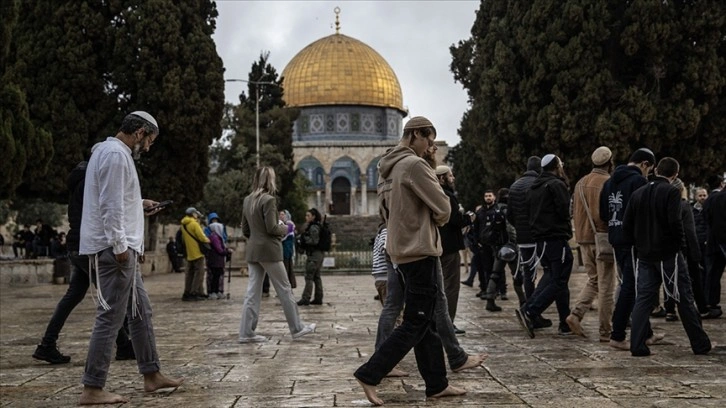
353, 231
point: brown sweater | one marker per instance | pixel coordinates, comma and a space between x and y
591, 186
414, 205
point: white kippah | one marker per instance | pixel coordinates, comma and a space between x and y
146, 116
547, 159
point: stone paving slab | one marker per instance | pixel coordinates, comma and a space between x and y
198, 341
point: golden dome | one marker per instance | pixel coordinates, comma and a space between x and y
340, 70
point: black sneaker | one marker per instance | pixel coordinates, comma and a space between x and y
125, 353
526, 322
50, 354
316, 302
458, 330
303, 302
564, 330
671, 317
539, 322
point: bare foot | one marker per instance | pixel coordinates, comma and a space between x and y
471, 362
156, 381
97, 396
370, 391
450, 391
397, 373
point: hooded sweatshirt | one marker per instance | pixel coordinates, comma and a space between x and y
413, 204
549, 208
614, 199
191, 230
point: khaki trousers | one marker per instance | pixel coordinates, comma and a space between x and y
600, 285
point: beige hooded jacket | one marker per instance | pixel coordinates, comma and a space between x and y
413, 204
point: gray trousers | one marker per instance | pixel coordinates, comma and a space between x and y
115, 281
444, 327
251, 308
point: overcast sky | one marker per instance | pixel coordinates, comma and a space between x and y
413, 36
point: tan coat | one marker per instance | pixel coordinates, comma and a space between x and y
414, 205
261, 228
591, 186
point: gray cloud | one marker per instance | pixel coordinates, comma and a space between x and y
413, 36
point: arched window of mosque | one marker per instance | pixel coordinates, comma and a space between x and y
313, 170
347, 167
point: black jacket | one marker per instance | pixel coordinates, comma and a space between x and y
614, 198
518, 212
692, 248
76, 183
452, 239
653, 221
715, 211
549, 208
699, 219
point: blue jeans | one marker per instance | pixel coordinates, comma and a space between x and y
445, 328
649, 280
417, 331
556, 260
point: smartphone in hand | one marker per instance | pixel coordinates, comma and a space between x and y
159, 206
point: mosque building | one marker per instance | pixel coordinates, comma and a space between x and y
351, 112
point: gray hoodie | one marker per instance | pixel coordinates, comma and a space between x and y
413, 204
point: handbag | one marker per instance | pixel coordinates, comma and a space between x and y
204, 247
603, 249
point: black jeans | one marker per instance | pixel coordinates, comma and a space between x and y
77, 289
626, 296
716, 262
649, 280
417, 331
556, 260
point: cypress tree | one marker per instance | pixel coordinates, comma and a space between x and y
564, 77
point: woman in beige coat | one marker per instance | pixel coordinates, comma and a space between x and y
264, 255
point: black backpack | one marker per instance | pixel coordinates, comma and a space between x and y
326, 236
179, 243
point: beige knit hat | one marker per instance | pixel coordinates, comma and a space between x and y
418, 122
441, 170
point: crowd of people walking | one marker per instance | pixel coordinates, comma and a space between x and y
635, 231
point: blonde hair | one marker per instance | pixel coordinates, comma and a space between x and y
264, 181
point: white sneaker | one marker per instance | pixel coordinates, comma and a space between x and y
253, 339
307, 329
212, 296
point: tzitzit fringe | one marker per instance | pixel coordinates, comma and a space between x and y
528, 262
98, 300
671, 280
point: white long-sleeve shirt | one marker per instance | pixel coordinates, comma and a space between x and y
113, 213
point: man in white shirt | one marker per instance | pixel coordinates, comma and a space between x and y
112, 235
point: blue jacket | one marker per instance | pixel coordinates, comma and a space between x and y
614, 199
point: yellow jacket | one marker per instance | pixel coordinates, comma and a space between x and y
191, 226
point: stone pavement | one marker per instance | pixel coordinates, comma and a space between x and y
198, 341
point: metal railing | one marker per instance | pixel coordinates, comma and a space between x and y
340, 260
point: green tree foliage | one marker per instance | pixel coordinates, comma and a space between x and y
85, 64
276, 121
564, 77
60, 58
26, 148
468, 170
165, 62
